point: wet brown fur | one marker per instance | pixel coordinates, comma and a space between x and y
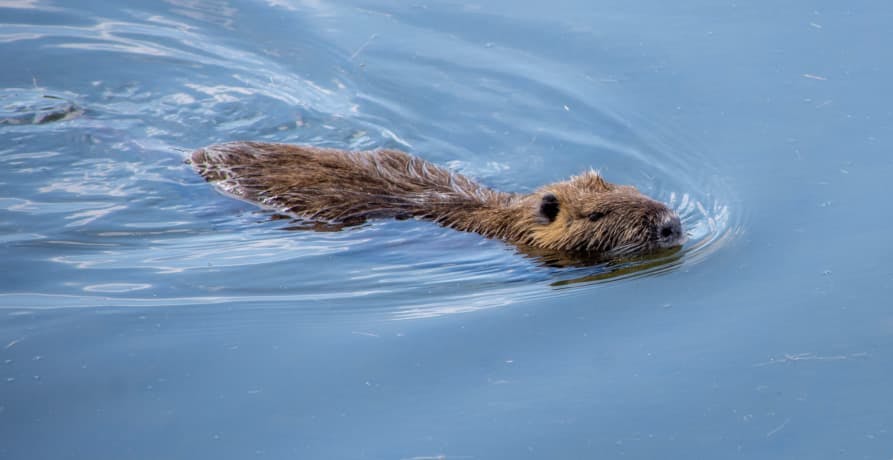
584, 213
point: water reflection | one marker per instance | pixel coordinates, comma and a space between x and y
117, 288
215, 12
28, 5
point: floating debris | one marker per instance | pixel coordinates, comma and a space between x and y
35, 106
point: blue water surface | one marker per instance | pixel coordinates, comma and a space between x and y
144, 315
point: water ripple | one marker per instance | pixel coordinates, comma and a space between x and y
108, 204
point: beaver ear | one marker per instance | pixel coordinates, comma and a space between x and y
549, 207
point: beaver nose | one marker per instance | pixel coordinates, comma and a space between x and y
670, 232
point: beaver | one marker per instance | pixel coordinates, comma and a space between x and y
584, 214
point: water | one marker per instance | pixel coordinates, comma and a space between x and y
145, 315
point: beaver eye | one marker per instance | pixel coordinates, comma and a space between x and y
596, 216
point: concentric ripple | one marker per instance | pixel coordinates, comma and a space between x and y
99, 195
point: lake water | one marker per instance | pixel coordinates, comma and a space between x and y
144, 315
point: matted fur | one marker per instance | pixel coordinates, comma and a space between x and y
584, 213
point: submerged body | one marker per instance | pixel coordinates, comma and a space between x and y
582, 214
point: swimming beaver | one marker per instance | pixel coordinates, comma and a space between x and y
583, 214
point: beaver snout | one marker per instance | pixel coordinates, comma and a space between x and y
669, 232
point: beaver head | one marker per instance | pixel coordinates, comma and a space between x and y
588, 214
